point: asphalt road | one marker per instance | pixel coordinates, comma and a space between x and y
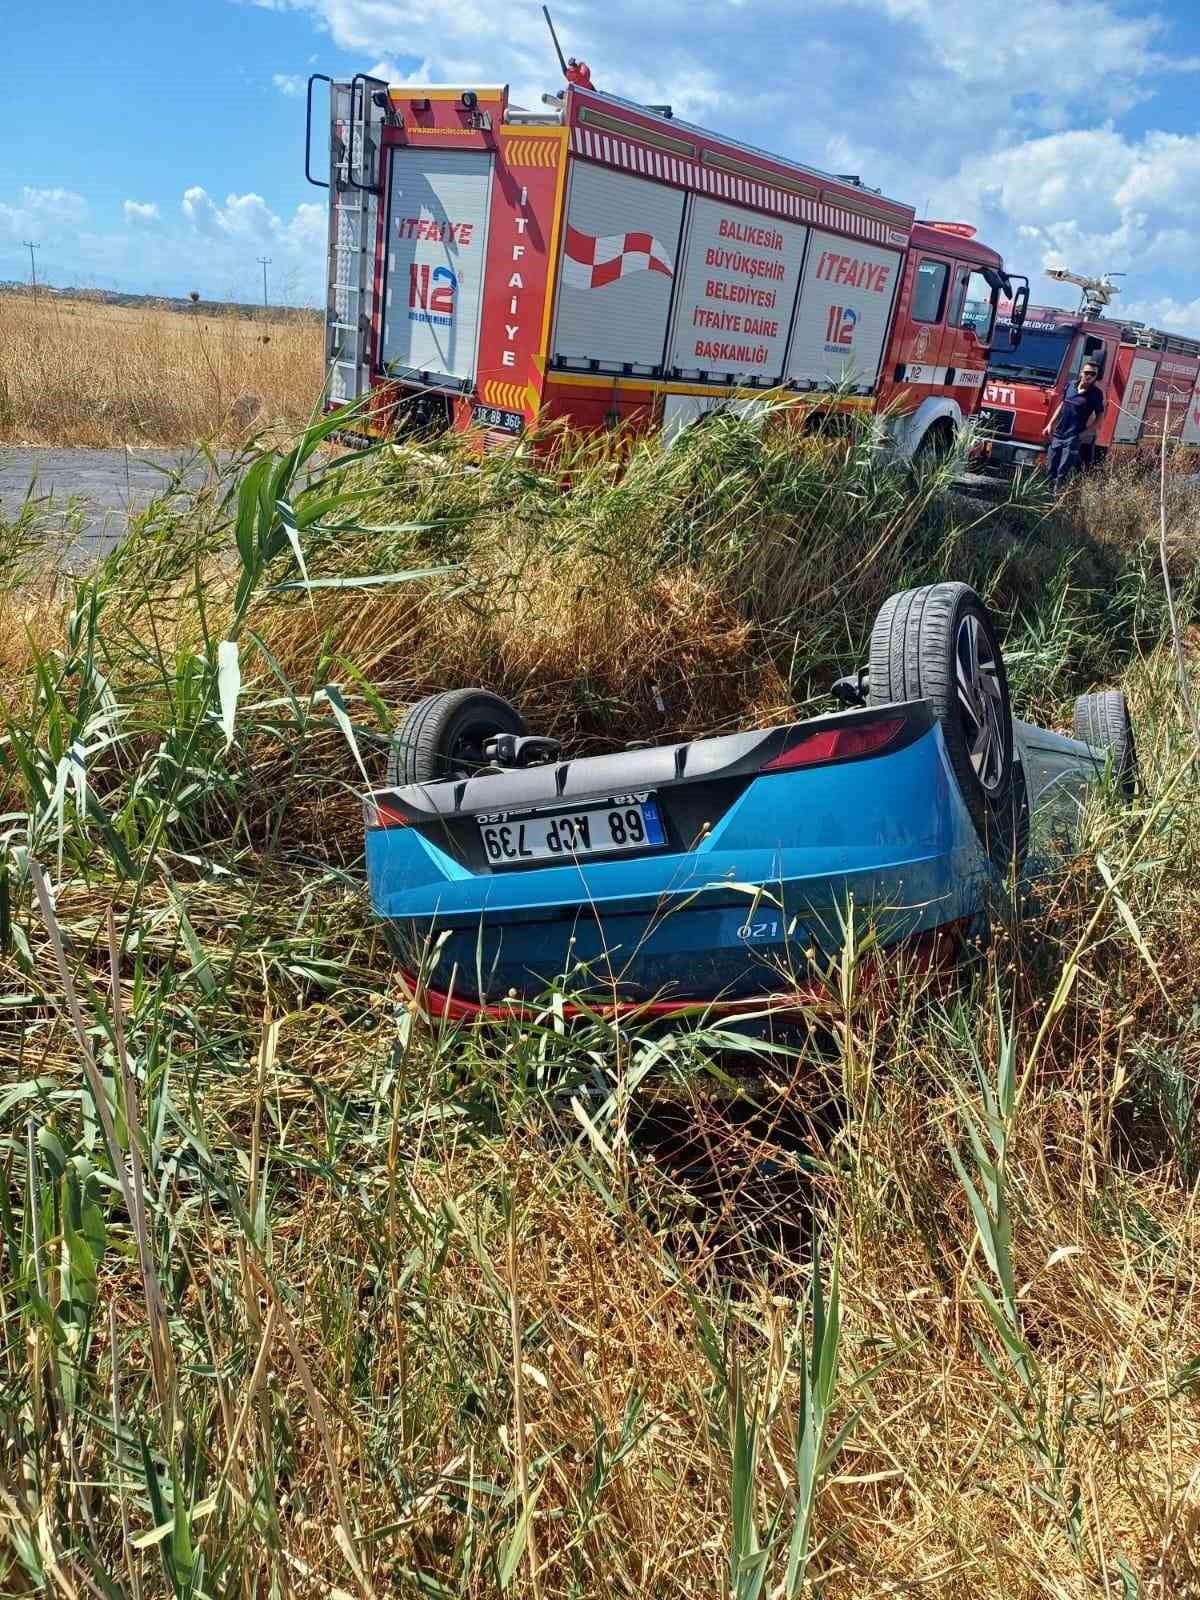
102, 487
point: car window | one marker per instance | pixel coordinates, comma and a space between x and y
929, 296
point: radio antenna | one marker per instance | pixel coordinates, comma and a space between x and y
562, 60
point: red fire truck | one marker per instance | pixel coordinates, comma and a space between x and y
604, 262
1150, 380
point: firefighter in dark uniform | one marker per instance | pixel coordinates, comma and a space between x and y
1075, 418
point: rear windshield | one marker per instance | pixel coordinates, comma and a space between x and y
1036, 359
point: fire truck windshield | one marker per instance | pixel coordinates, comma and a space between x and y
1037, 359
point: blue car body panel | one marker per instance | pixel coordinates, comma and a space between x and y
741, 912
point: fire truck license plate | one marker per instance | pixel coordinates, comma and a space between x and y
493, 417
623, 824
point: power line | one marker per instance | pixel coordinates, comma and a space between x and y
31, 247
264, 262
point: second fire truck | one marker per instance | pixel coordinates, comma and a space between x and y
1150, 380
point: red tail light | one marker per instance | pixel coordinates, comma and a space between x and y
378, 812
837, 744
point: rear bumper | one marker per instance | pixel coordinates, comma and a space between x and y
936, 951
757, 906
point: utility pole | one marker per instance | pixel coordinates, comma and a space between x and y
264, 262
31, 247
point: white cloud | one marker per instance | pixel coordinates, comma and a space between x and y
391, 73
939, 72
1174, 315
229, 235
1092, 200
43, 214
307, 229
1057, 53
199, 209
205, 244
60, 206
248, 218
288, 83
243, 216
138, 212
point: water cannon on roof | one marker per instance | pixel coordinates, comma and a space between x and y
1097, 292
573, 70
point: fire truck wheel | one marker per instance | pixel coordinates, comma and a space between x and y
936, 443
1102, 720
443, 736
939, 644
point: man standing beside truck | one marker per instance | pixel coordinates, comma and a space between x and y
1075, 417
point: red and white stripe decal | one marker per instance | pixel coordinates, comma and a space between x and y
590, 262
939, 377
631, 157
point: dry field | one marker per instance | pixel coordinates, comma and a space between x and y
80, 372
301, 1296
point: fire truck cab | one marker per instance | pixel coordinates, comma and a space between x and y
606, 263
935, 364
1150, 380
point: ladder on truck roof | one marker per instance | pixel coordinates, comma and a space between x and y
358, 110
1147, 338
1178, 344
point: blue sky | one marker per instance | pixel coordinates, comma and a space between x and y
157, 146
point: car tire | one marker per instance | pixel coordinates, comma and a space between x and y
1102, 720
939, 644
443, 735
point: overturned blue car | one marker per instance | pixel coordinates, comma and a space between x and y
718, 871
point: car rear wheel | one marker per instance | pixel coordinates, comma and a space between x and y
939, 644
443, 736
1102, 720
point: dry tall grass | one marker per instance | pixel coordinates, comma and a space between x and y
80, 372
522, 1310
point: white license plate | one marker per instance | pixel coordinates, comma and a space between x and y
573, 835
